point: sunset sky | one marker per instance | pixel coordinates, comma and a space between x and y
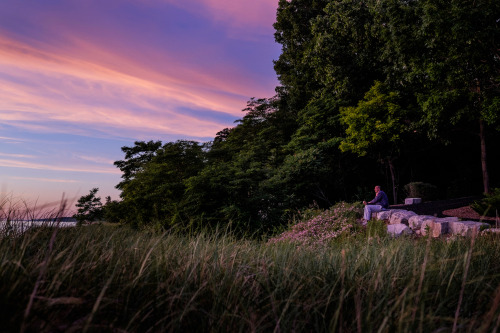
79, 79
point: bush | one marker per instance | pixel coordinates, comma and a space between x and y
89, 207
489, 205
338, 221
425, 191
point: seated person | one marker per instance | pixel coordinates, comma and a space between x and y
379, 203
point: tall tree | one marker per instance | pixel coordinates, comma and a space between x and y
460, 64
232, 185
89, 207
136, 158
155, 194
376, 126
294, 22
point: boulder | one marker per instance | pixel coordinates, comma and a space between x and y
397, 230
465, 228
413, 201
386, 214
491, 231
401, 217
415, 222
434, 227
383, 215
448, 219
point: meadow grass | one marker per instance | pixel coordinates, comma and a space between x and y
111, 278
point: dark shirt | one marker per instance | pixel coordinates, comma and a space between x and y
381, 199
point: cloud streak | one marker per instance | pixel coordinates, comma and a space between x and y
46, 180
8, 163
17, 155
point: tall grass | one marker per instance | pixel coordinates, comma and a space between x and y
102, 278
18, 215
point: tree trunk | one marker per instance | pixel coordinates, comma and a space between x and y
393, 177
482, 136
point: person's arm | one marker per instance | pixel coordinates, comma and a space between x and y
376, 199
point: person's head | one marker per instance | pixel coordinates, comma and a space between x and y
377, 189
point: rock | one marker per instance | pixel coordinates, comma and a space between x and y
383, 215
401, 217
415, 222
465, 228
406, 222
412, 201
386, 214
434, 227
491, 231
397, 230
448, 219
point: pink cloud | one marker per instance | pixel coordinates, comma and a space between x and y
60, 87
46, 180
9, 163
17, 155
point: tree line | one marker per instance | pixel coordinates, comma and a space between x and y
371, 92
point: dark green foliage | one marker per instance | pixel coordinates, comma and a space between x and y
89, 208
136, 158
425, 191
154, 192
114, 211
295, 70
489, 205
376, 124
459, 67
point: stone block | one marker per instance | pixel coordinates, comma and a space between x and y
383, 215
415, 222
397, 230
491, 231
465, 228
401, 217
413, 201
386, 214
447, 219
434, 227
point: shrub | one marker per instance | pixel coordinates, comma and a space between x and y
489, 205
422, 190
89, 207
333, 223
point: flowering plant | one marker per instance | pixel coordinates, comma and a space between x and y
330, 224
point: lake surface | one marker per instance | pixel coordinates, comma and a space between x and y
21, 226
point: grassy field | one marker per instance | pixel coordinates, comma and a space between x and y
107, 278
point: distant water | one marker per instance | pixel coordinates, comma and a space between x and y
21, 226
